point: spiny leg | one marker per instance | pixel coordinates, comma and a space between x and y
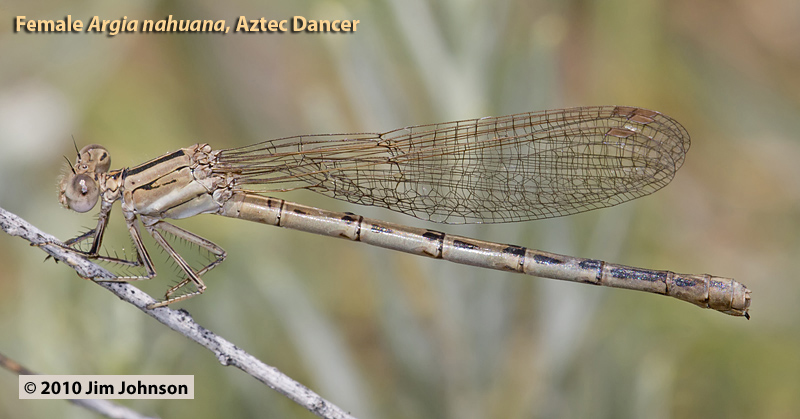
194, 239
70, 244
192, 276
197, 240
97, 235
143, 257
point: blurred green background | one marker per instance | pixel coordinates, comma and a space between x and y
390, 335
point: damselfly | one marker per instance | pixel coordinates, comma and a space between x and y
490, 170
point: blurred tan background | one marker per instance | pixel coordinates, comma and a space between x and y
396, 336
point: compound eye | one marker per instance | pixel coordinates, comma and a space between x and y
82, 193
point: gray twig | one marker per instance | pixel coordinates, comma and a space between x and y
178, 320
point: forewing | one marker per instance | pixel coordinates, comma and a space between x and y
489, 170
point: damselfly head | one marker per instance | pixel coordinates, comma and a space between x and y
93, 158
78, 190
